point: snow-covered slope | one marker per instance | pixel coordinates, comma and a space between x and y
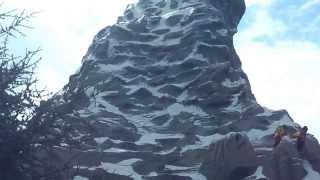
161, 91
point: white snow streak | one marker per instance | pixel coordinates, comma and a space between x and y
150, 138
100, 140
114, 67
231, 84
236, 104
80, 178
176, 109
258, 174
187, 11
123, 168
177, 168
117, 150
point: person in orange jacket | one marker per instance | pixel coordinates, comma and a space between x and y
278, 135
300, 135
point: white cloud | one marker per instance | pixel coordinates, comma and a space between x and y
258, 2
309, 4
64, 30
286, 76
283, 74
263, 25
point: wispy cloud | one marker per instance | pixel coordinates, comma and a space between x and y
303, 18
64, 30
258, 2
310, 4
261, 25
281, 62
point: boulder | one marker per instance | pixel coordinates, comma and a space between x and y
231, 158
287, 162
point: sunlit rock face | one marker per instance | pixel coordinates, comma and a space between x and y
161, 95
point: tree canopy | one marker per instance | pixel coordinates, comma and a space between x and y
19, 100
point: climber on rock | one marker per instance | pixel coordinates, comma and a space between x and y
300, 135
278, 135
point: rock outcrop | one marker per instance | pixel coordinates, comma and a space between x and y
233, 157
286, 162
161, 96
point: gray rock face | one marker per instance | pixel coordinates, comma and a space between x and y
233, 157
312, 151
287, 164
159, 93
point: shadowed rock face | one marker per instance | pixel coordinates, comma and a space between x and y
161, 95
287, 164
230, 158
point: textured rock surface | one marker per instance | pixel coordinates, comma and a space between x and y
230, 158
286, 162
312, 152
161, 95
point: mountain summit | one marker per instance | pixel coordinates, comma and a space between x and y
161, 96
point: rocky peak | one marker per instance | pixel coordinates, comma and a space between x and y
161, 95
165, 62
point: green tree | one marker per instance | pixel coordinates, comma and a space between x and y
19, 100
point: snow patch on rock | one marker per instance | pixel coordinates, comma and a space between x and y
122, 168
258, 174
80, 178
151, 138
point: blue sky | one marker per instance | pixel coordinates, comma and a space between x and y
278, 43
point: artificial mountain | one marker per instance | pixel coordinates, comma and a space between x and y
161, 95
